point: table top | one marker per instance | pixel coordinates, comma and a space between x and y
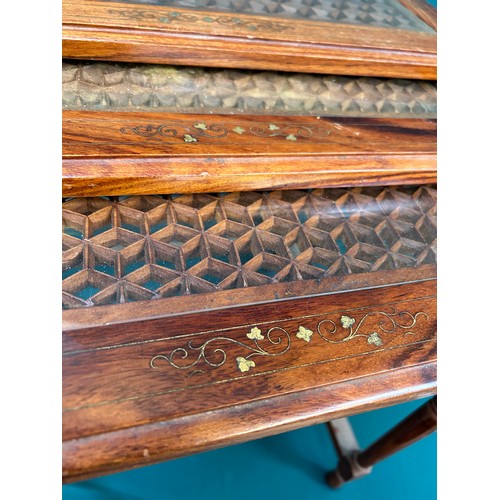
198, 321
387, 38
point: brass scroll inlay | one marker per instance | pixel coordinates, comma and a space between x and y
388, 323
217, 356
187, 133
201, 130
291, 132
211, 352
169, 18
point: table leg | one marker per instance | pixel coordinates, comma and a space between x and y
354, 463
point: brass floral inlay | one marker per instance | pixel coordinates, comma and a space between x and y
304, 334
217, 356
346, 321
244, 364
373, 338
169, 17
213, 354
255, 334
172, 131
290, 131
201, 130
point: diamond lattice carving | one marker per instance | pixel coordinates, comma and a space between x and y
119, 86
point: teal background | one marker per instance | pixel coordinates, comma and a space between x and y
287, 466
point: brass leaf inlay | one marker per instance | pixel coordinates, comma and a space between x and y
179, 357
373, 338
304, 334
347, 321
389, 322
195, 132
171, 133
255, 334
244, 364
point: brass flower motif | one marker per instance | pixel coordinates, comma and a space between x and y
255, 334
347, 321
373, 338
304, 334
244, 364
239, 130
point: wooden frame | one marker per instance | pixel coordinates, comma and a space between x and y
116, 31
146, 153
267, 358
278, 310
150, 409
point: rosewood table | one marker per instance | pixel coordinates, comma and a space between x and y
195, 321
245, 251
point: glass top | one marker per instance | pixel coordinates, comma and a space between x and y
379, 13
135, 248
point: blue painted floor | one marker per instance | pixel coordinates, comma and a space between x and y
288, 466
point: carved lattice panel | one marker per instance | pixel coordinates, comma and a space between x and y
381, 13
88, 85
134, 248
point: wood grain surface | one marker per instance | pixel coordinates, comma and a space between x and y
141, 33
423, 9
74, 319
135, 153
149, 390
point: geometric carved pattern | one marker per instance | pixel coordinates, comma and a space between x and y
381, 13
122, 249
121, 86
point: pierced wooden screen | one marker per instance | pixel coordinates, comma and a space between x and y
145, 247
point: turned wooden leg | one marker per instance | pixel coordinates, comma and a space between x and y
354, 463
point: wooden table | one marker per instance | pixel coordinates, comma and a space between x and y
186, 330
245, 252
